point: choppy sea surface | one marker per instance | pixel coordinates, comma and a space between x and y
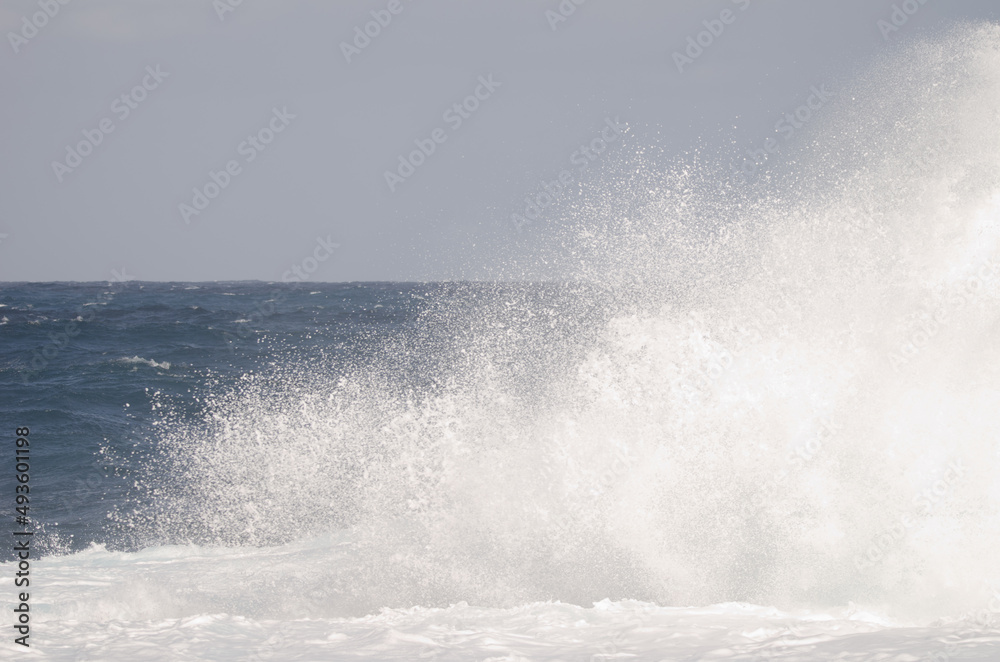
751, 420
481, 471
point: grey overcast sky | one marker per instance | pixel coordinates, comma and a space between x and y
186, 88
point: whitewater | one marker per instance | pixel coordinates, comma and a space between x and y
752, 420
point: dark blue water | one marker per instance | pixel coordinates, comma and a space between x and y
88, 366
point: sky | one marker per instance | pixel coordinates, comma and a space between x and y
201, 140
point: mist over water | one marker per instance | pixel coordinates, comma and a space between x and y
784, 391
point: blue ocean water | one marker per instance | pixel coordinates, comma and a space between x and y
79, 361
84, 365
760, 421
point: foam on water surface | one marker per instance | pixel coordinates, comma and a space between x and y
184, 603
782, 392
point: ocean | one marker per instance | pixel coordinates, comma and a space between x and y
758, 419
484, 471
